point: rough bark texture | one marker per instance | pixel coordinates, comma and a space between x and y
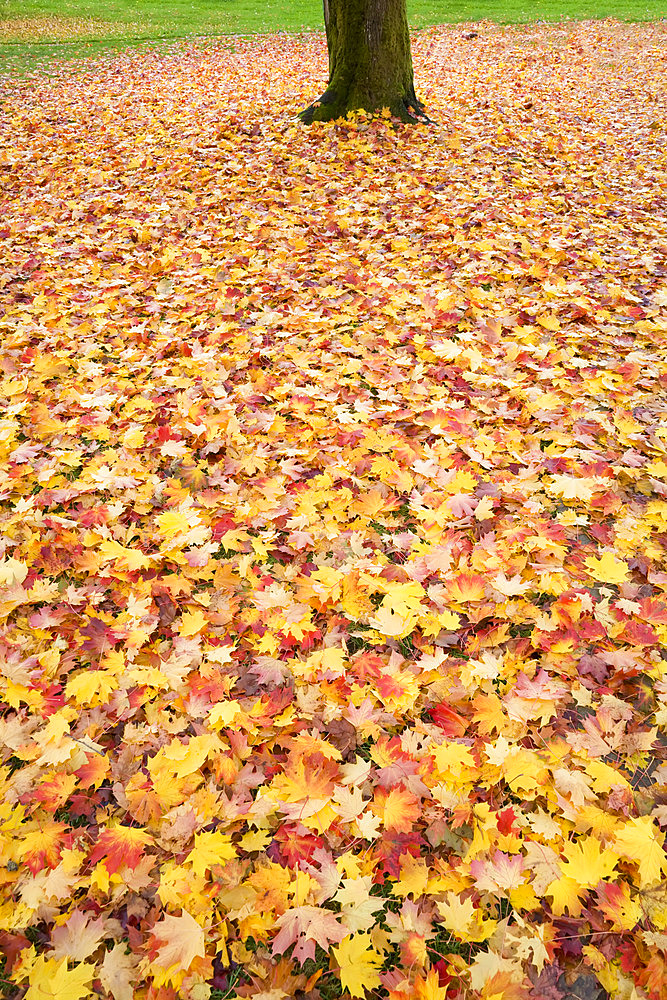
370, 62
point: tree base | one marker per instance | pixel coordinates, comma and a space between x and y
330, 107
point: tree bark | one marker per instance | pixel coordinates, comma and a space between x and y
370, 62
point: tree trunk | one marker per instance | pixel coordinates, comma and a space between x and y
370, 63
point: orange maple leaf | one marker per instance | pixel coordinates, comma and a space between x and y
398, 808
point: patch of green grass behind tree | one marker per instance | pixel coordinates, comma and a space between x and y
25, 41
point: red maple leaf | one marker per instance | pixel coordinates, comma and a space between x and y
120, 847
295, 843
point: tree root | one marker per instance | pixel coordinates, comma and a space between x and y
407, 109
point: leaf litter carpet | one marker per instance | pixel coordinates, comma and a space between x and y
334, 508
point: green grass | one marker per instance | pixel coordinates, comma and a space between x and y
77, 28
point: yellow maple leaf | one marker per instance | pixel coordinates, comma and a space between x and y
118, 972
400, 609
453, 758
91, 687
549, 322
192, 623
180, 759
608, 568
524, 769
604, 777
223, 713
448, 620
128, 559
565, 896
255, 840
12, 571
429, 988
414, 877
52, 980
591, 819
358, 907
574, 487
639, 840
179, 941
211, 848
133, 438
394, 621
484, 509
588, 862
172, 522
463, 919
359, 964
99, 878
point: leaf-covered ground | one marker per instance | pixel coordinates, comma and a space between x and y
56, 29
334, 521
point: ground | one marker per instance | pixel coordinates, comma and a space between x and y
334, 516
